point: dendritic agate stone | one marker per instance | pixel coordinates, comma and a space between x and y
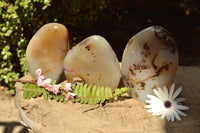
47, 49
149, 61
93, 61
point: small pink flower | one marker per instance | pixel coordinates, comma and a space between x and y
48, 88
68, 87
69, 96
55, 88
46, 83
40, 78
38, 72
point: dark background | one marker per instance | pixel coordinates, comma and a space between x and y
124, 18
116, 20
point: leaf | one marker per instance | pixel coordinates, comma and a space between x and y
102, 94
97, 95
45, 96
53, 82
25, 92
87, 94
76, 91
61, 98
93, 94
83, 92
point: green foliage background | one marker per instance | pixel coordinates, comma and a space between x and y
20, 19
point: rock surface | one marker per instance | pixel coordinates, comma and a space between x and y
123, 116
8, 114
150, 60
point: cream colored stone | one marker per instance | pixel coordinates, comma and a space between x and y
47, 49
93, 61
150, 60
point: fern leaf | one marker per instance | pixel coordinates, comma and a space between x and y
121, 91
95, 94
25, 92
87, 94
84, 92
45, 96
102, 94
94, 88
110, 94
96, 97
76, 91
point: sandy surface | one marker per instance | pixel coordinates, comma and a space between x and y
122, 116
9, 115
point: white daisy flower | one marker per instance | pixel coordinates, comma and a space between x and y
165, 103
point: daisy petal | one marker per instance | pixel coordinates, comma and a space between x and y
182, 107
165, 91
179, 100
180, 113
153, 97
176, 93
148, 106
163, 115
151, 110
168, 117
148, 101
156, 112
171, 91
177, 116
156, 93
172, 117
162, 94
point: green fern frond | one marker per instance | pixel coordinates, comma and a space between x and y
85, 94
95, 94
32, 90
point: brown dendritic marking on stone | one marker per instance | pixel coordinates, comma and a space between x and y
88, 47
132, 86
167, 39
136, 95
153, 61
131, 71
164, 63
146, 50
143, 61
140, 67
93, 54
127, 83
130, 42
173, 50
154, 87
146, 47
100, 77
142, 84
142, 88
162, 69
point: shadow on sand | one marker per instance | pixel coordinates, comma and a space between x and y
9, 127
